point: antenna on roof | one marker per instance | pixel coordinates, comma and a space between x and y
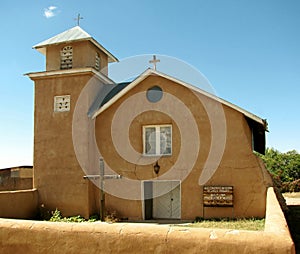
78, 19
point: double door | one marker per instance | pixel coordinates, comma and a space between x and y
162, 200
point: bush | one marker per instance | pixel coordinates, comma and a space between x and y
284, 167
57, 217
293, 186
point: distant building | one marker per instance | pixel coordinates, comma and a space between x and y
16, 178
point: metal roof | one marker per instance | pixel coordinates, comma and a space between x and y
74, 34
257, 124
149, 72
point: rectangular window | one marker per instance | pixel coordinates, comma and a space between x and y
157, 140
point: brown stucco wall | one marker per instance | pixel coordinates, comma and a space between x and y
22, 204
57, 174
239, 167
39, 236
84, 53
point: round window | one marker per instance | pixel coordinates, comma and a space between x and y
154, 94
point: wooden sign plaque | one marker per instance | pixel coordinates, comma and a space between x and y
218, 196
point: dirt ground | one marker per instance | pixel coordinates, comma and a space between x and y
292, 198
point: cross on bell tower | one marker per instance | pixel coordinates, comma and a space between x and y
78, 19
154, 61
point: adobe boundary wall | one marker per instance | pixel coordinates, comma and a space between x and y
22, 204
21, 236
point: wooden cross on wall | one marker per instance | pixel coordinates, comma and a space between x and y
101, 178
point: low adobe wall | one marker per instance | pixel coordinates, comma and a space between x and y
49, 237
20, 204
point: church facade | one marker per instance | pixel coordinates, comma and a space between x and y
179, 152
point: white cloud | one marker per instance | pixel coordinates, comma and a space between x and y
50, 12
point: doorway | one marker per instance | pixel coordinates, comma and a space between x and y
162, 200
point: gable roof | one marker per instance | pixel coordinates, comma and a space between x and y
74, 34
256, 124
149, 72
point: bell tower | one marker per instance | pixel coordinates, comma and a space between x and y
72, 59
72, 49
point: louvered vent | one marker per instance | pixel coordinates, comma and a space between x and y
66, 55
97, 62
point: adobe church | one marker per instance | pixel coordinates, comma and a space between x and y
168, 149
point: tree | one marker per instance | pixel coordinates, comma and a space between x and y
285, 168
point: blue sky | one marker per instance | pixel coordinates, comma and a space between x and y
248, 50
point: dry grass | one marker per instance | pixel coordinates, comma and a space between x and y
239, 224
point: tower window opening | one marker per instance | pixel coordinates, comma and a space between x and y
66, 57
97, 62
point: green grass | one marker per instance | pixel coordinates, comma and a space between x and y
239, 224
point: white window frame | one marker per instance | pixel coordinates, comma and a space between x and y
157, 140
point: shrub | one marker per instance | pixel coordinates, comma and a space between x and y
284, 167
57, 217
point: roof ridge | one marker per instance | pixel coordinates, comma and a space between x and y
69, 34
73, 34
150, 71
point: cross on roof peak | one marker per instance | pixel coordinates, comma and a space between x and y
154, 61
78, 18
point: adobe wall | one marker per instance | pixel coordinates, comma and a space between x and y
84, 55
275, 219
239, 167
57, 173
22, 204
19, 236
